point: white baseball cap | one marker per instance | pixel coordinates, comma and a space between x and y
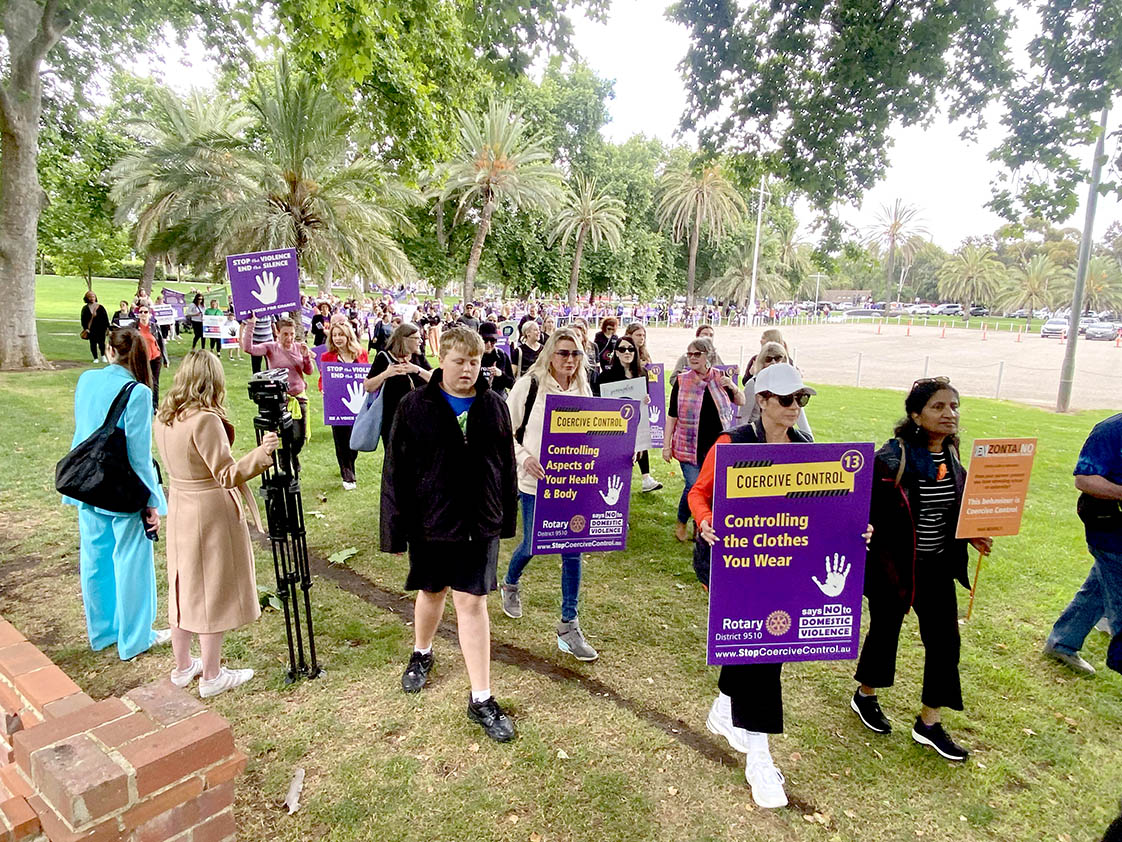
781, 379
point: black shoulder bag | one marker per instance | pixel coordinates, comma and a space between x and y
531, 396
97, 472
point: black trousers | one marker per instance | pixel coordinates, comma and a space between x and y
97, 345
197, 327
757, 696
216, 346
156, 365
936, 607
343, 453
257, 363
644, 462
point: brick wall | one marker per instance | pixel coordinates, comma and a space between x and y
151, 766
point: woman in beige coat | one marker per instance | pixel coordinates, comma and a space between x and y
211, 585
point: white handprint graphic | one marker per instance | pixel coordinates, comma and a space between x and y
355, 396
615, 485
836, 573
655, 414
267, 284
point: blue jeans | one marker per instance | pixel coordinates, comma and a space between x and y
570, 563
1101, 595
690, 473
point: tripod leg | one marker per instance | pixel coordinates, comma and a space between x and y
278, 542
300, 548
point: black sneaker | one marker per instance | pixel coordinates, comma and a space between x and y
938, 739
417, 673
493, 719
868, 709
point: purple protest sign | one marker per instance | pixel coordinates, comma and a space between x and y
264, 283
317, 352
176, 299
343, 393
788, 571
588, 445
656, 389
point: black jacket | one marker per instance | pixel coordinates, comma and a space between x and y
502, 382
890, 564
97, 324
439, 486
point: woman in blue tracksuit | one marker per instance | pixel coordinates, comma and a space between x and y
116, 566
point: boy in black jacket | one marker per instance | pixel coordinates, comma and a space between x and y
449, 493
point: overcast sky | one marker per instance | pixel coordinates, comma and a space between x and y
639, 49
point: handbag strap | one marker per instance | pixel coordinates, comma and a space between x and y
117, 408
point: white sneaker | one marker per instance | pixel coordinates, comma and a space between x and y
651, 484
225, 680
349, 486
163, 636
766, 782
1103, 625
183, 678
719, 722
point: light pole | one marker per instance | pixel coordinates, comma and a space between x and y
1067, 371
818, 276
756, 246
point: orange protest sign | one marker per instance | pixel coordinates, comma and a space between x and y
994, 500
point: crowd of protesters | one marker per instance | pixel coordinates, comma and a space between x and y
461, 467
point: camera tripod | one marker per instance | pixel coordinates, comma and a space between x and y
285, 514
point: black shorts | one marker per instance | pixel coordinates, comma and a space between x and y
465, 566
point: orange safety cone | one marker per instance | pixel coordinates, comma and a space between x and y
983, 331
943, 335
909, 330
878, 327
1019, 332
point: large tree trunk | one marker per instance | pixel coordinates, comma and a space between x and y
477, 250
30, 31
574, 274
691, 269
148, 273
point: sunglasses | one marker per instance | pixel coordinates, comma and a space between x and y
624, 350
565, 354
693, 355
774, 359
787, 401
941, 381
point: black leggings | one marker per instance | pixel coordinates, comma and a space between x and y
197, 327
216, 346
343, 453
644, 462
97, 346
156, 365
936, 607
757, 696
258, 363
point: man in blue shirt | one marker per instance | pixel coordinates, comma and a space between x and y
1098, 475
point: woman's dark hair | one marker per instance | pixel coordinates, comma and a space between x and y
132, 353
922, 391
609, 322
90, 297
636, 369
198, 297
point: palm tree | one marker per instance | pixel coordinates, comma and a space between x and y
794, 257
592, 216
972, 274
1032, 285
173, 137
898, 229
497, 161
1103, 289
691, 203
736, 282
296, 184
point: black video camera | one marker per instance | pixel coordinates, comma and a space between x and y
269, 390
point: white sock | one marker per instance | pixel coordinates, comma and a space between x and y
863, 694
423, 651
478, 696
757, 743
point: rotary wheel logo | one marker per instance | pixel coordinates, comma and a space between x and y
577, 523
778, 623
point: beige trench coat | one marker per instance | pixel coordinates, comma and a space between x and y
211, 582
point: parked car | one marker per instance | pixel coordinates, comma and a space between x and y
979, 311
920, 309
1054, 327
948, 310
1085, 322
1020, 314
863, 312
1043, 313
1102, 330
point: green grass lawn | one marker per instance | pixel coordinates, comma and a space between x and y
616, 749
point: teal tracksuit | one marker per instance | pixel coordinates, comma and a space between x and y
117, 569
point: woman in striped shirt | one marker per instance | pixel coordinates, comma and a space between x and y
914, 560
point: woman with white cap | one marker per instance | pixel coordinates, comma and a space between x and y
749, 705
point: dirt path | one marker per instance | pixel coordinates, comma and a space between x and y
893, 359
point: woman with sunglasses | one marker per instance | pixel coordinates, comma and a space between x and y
558, 370
701, 408
749, 705
914, 561
624, 364
770, 354
154, 346
194, 314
